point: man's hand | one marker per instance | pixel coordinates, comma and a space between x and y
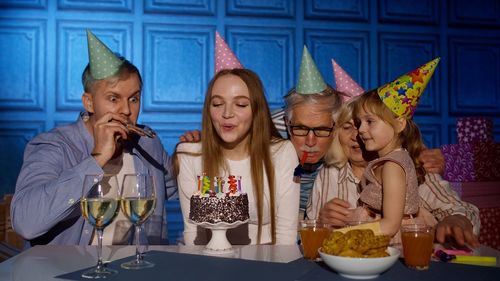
106, 132
191, 136
334, 212
459, 228
433, 161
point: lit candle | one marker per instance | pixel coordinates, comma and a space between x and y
239, 184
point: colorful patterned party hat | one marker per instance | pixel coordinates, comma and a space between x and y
224, 57
401, 96
310, 80
345, 83
103, 62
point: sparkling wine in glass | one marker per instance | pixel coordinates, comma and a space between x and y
138, 201
99, 206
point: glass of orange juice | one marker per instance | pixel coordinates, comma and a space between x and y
418, 240
312, 234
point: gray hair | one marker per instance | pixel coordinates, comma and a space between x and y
329, 98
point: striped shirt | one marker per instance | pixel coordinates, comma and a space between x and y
307, 178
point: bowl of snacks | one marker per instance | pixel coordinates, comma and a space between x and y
358, 254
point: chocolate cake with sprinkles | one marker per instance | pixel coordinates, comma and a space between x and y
220, 203
213, 209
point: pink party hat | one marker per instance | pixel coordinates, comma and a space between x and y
345, 83
224, 57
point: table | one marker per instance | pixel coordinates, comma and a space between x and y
48, 262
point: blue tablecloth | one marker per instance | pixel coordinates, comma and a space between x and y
176, 266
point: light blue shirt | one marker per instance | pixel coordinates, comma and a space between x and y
46, 204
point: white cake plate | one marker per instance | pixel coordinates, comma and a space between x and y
218, 244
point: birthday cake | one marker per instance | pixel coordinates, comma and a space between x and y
227, 205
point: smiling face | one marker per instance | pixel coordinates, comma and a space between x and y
377, 134
231, 110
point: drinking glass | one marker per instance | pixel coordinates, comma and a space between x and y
418, 241
138, 200
312, 234
99, 206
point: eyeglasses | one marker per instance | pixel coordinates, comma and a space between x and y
303, 131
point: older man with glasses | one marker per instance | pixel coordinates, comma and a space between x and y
309, 119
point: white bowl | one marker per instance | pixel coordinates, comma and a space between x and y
361, 268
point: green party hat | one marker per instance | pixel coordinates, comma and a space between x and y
103, 62
310, 80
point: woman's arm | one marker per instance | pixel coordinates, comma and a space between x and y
186, 180
287, 195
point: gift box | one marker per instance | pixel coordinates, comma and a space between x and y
467, 162
474, 129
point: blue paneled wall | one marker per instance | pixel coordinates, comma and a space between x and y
43, 52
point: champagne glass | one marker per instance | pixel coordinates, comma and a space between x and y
138, 200
99, 206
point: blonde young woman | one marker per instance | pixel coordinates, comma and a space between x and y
239, 138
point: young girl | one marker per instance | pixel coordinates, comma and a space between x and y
239, 138
384, 120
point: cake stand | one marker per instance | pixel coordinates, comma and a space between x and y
218, 244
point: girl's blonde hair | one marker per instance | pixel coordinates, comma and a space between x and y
410, 138
262, 134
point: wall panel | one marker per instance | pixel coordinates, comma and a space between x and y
72, 43
260, 8
182, 7
177, 59
473, 13
22, 72
26, 4
270, 53
474, 75
353, 10
424, 11
349, 48
401, 53
14, 136
96, 5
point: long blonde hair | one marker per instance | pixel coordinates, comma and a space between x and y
261, 135
410, 138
